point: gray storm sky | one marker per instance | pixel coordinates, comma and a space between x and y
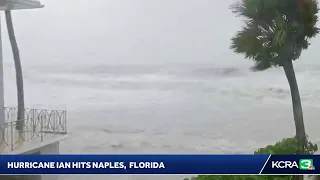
129, 31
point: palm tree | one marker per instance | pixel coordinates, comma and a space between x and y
275, 33
19, 77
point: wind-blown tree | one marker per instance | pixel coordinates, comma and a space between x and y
274, 34
19, 76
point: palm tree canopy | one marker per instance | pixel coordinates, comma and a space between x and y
275, 30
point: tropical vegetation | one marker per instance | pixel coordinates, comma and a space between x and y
286, 146
274, 34
19, 75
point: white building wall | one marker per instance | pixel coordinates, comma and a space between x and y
48, 149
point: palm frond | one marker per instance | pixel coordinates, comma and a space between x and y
261, 66
275, 30
280, 32
246, 41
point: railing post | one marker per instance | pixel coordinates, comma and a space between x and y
54, 120
65, 121
11, 138
2, 143
41, 128
33, 129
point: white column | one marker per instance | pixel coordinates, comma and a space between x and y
2, 110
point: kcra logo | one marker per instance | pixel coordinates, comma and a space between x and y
304, 164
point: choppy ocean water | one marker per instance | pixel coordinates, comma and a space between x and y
171, 108
198, 108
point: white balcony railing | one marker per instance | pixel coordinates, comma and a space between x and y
38, 124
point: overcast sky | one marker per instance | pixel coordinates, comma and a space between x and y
129, 31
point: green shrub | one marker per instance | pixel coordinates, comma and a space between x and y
286, 146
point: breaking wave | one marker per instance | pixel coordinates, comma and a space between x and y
146, 71
229, 81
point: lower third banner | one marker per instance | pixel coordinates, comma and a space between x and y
159, 164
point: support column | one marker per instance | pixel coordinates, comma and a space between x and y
2, 110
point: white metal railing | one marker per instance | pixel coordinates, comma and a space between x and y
37, 124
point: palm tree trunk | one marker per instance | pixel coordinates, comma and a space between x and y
297, 108
19, 77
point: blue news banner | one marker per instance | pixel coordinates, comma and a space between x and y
159, 164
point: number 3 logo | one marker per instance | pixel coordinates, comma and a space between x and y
305, 164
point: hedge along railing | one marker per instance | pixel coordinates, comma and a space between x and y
37, 124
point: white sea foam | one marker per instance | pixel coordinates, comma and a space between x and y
167, 112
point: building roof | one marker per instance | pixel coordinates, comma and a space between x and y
19, 4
